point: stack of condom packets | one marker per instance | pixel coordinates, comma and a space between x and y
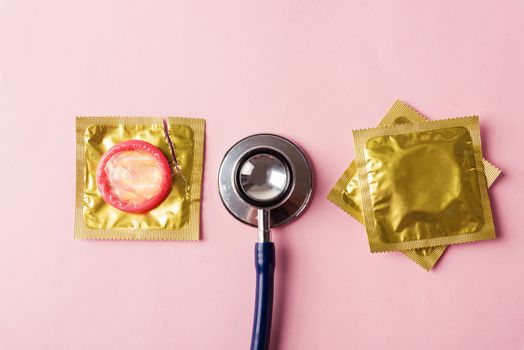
418, 185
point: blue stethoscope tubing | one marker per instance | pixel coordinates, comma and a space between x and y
265, 273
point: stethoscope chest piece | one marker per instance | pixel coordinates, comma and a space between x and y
265, 171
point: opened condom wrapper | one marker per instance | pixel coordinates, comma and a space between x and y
347, 196
423, 184
131, 184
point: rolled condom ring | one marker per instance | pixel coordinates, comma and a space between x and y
134, 176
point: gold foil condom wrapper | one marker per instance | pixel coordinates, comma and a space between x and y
346, 192
423, 184
177, 217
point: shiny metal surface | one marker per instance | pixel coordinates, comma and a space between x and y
284, 203
263, 177
264, 228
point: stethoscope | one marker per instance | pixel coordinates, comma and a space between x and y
265, 180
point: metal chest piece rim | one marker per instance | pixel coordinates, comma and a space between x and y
290, 205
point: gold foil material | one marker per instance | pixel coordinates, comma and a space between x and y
177, 217
423, 184
346, 192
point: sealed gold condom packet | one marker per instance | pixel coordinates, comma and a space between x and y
138, 178
423, 184
346, 192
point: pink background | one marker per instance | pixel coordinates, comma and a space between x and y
309, 70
